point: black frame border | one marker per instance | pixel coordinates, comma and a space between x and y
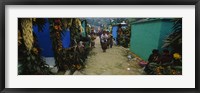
3, 3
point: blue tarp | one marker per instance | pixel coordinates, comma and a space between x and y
114, 32
44, 40
66, 38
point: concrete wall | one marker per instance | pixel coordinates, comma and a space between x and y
166, 29
149, 35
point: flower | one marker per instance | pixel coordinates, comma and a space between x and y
56, 27
35, 50
177, 56
173, 72
158, 70
59, 28
78, 66
59, 49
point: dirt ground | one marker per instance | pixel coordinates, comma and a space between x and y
112, 62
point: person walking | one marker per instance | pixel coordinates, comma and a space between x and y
104, 38
93, 37
108, 40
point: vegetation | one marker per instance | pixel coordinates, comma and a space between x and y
174, 43
71, 58
30, 61
174, 40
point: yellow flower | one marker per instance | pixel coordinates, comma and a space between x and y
177, 56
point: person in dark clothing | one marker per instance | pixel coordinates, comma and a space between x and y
93, 37
119, 36
154, 57
108, 40
92, 32
166, 58
111, 41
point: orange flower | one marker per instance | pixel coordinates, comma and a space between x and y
56, 27
78, 66
59, 28
173, 72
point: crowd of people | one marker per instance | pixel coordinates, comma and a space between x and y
106, 39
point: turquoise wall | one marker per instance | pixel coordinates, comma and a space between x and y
166, 29
84, 27
146, 36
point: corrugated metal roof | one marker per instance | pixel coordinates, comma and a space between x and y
150, 19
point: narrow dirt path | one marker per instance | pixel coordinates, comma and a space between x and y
112, 62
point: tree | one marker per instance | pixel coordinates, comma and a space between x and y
174, 40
